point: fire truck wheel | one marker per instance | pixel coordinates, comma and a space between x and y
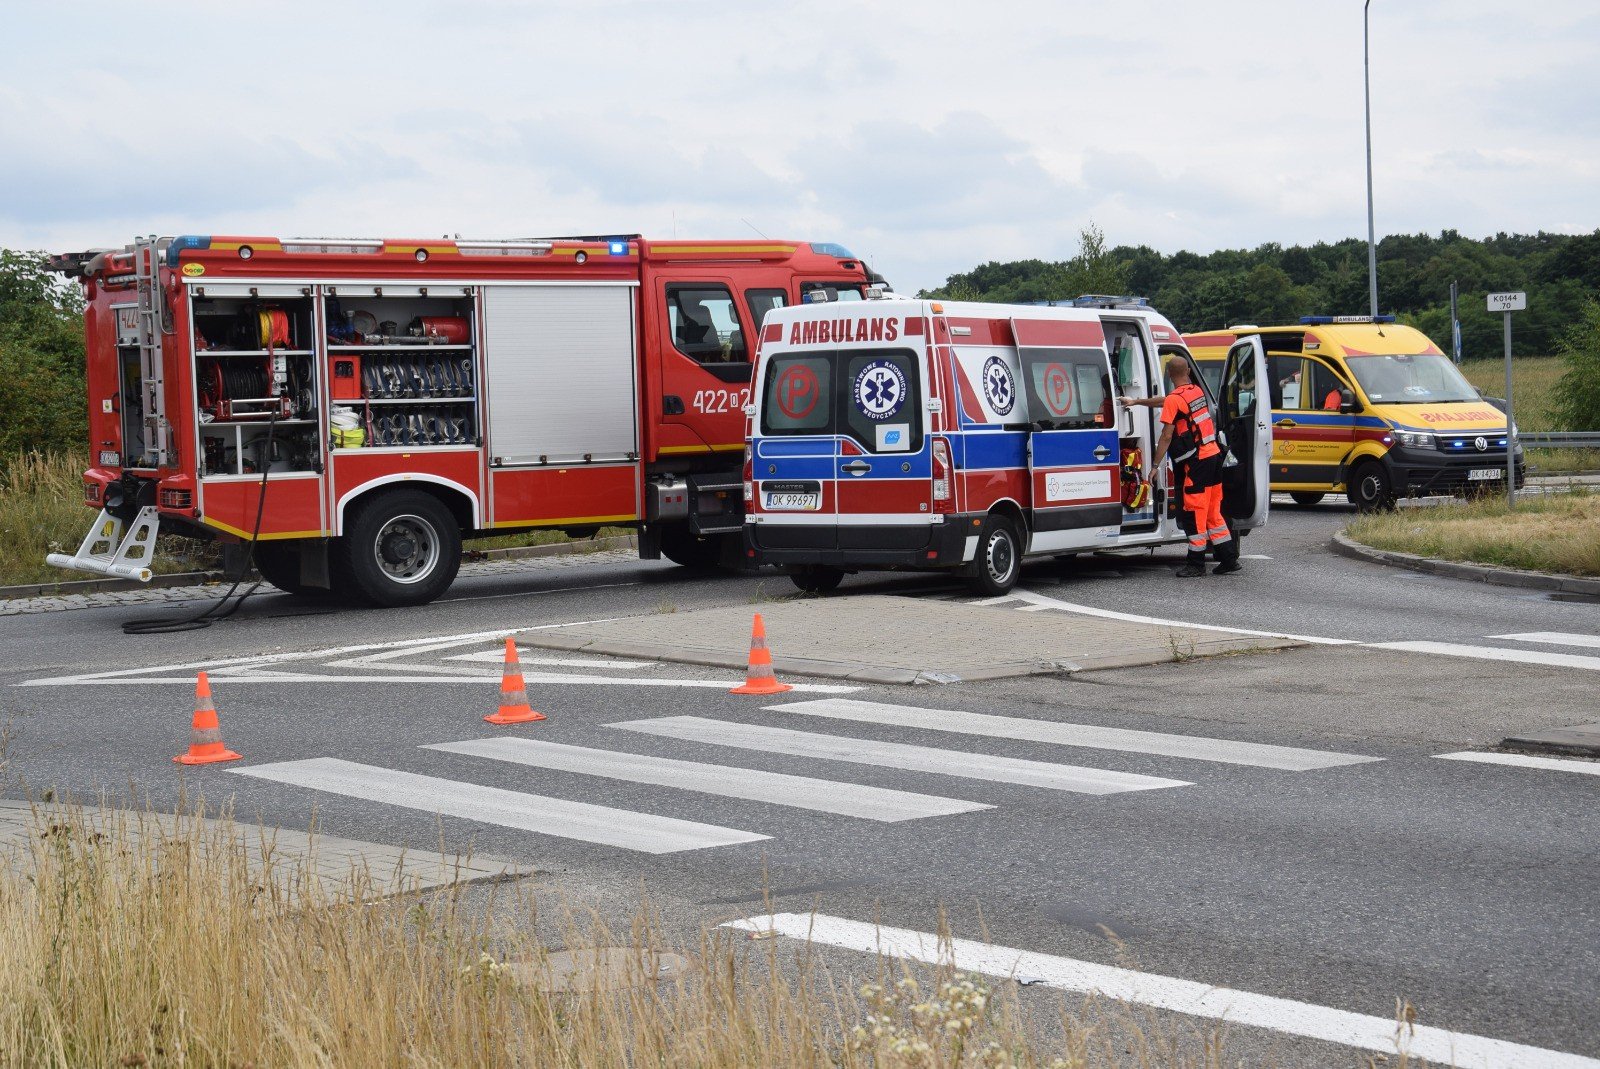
1370, 490
994, 570
280, 565
401, 548
681, 546
817, 578
1306, 497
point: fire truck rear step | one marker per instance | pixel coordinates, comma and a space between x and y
108, 550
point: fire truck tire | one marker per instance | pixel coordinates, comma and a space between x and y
400, 548
682, 546
817, 578
999, 560
1370, 489
279, 565
1306, 497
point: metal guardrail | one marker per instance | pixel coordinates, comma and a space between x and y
1560, 439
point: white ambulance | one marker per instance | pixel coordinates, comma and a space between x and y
913, 434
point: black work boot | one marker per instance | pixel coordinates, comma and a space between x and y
1227, 558
1194, 565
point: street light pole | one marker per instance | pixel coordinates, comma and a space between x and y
1372, 243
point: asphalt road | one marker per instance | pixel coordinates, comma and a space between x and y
1466, 888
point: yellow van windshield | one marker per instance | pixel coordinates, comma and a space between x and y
1420, 379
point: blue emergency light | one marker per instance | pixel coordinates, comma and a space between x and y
618, 247
1320, 321
829, 248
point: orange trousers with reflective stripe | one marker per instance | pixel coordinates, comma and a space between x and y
1205, 505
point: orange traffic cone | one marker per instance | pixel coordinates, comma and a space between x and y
759, 678
205, 736
514, 708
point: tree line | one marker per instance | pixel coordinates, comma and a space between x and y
1277, 284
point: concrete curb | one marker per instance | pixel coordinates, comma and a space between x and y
98, 586
1345, 546
859, 672
1580, 740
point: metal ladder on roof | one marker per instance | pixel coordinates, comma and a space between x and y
155, 321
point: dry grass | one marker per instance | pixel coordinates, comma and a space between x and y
177, 946
1535, 380
1556, 533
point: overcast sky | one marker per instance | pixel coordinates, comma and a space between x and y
927, 137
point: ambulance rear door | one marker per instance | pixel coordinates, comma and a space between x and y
795, 453
1073, 457
1244, 417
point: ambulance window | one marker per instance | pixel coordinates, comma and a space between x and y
1325, 385
797, 396
1284, 374
705, 324
763, 301
1068, 389
881, 399
836, 291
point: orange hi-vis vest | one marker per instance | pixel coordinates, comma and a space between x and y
1194, 423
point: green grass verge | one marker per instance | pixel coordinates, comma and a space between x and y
1559, 533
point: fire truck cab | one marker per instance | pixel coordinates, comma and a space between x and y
353, 408
914, 434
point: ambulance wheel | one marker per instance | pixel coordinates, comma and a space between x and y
682, 546
400, 548
994, 570
1370, 490
1306, 497
817, 578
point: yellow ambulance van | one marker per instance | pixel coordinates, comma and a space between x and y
1366, 407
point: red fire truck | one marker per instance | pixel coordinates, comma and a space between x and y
351, 408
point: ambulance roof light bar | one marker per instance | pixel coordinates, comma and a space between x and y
1316, 321
1101, 300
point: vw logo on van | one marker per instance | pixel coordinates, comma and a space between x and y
1480, 443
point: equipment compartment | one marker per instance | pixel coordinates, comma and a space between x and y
256, 394
403, 364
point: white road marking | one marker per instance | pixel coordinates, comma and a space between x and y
1195, 747
1254, 556
899, 755
1493, 653
1555, 638
1044, 602
523, 655
508, 809
1554, 764
530, 678
1364, 1031
801, 792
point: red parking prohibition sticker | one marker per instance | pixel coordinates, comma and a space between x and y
1057, 390
798, 391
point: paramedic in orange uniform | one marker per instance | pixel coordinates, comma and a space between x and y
1189, 435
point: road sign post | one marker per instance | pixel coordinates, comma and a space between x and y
1507, 303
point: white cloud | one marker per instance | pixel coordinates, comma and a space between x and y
927, 138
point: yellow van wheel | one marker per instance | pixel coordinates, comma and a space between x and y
1370, 489
1306, 497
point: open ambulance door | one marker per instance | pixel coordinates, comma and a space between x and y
1245, 418
1074, 462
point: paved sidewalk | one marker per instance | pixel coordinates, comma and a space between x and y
878, 639
209, 591
338, 866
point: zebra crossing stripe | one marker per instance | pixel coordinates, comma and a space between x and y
1437, 1046
898, 755
1195, 747
644, 832
801, 792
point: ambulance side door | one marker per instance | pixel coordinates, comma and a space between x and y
1073, 456
1244, 417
